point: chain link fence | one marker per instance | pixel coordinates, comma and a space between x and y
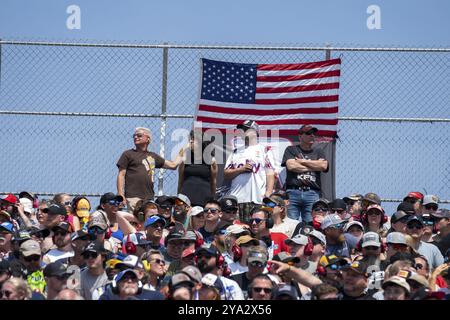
68, 111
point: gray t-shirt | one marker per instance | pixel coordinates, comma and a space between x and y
432, 253
89, 283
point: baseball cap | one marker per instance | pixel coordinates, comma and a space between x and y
229, 203
176, 232
414, 218
4, 266
248, 124
406, 207
211, 251
359, 266
372, 198
21, 235
306, 128
99, 222
110, 196
441, 213
246, 239
237, 229
163, 199
375, 207
193, 273
181, 197
398, 215
298, 239
286, 258
83, 207
30, 247
27, 194
330, 259
322, 201
319, 236
196, 210
257, 255
274, 199
55, 209
63, 226
410, 276
396, 238
415, 195
79, 234
152, 220
120, 275
8, 226
353, 197
180, 278
399, 281
6, 214
286, 290
56, 269
136, 238
371, 239
338, 204
130, 262
353, 223
94, 247
430, 199
9, 198
331, 220
43, 230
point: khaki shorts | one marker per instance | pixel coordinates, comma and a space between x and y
131, 204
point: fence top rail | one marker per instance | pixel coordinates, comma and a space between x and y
220, 47
188, 116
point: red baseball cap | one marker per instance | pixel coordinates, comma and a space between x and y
414, 194
9, 198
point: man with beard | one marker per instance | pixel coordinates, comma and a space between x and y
209, 262
56, 276
30, 258
329, 270
63, 243
126, 286
181, 208
356, 281
338, 243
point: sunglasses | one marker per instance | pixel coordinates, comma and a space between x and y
6, 293
158, 261
212, 210
88, 255
138, 135
428, 222
321, 209
415, 226
418, 266
84, 238
334, 266
129, 277
371, 248
431, 207
373, 213
351, 203
96, 230
39, 235
398, 246
338, 211
232, 211
256, 220
256, 264
266, 290
166, 207
32, 258
271, 204
411, 200
113, 202
60, 233
67, 203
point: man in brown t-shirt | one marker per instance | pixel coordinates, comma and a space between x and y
137, 168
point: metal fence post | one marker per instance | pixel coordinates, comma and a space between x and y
163, 118
333, 147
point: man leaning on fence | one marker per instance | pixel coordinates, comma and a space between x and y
137, 168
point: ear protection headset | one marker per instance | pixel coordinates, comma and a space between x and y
198, 239
364, 218
115, 287
321, 271
237, 252
262, 276
129, 247
220, 260
267, 215
309, 247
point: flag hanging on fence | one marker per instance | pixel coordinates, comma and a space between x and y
277, 96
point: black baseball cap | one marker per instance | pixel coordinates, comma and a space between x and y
398, 216
55, 210
338, 204
56, 269
110, 196
229, 203
94, 247
248, 124
406, 207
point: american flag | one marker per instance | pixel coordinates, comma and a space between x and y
277, 96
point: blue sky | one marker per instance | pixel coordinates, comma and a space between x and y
415, 90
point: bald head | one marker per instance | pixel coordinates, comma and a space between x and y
68, 294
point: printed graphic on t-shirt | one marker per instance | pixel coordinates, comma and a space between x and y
149, 164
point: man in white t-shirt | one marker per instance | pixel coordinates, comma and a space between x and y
250, 169
63, 243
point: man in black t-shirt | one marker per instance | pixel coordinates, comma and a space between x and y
137, 168
303, 167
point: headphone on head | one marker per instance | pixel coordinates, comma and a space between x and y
309, 247
115, 287
267, 216
199, 241
237, 252
364, 218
